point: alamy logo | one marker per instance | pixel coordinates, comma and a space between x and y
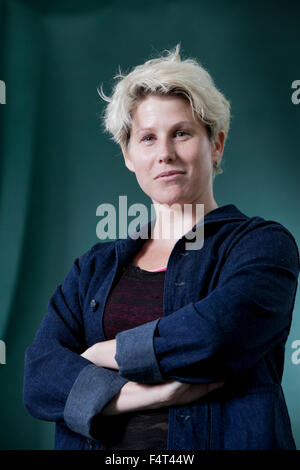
2, 352
296, 94
2, 92
296, 354
170, 226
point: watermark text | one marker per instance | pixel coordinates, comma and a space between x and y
2, 352
168, 222
296, 94
296, 354
2, 92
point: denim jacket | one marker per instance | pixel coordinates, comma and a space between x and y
227, 314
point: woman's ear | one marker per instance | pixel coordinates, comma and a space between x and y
127, 159
218, 146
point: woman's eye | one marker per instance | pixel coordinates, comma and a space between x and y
147, 138
181, 133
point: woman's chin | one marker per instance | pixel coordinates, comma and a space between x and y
169, 193
170, 201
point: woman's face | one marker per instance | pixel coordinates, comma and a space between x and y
165, 137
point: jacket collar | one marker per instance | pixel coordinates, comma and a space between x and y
127, 247
227, 212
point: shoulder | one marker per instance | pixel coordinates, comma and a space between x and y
262, 228
236, 229
99, 251
259, 238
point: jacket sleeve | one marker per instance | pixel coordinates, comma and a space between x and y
59, 384
230, 330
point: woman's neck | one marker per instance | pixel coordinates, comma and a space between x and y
172, 222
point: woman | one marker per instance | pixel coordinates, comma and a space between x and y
148, 344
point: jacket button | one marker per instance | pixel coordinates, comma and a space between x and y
181, 417
90, 444
93, 305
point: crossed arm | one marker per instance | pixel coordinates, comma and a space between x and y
135, 396
221, 335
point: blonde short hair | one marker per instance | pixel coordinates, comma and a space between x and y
166, 75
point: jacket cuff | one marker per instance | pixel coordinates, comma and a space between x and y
135, 354
92, 390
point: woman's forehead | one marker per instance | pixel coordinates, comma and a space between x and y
152, 111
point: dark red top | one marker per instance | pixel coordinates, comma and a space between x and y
136, 298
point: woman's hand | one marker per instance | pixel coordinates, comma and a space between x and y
102, 354
135, 396
178, 393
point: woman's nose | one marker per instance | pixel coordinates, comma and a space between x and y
166, 151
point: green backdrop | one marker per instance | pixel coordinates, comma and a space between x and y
57, 166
